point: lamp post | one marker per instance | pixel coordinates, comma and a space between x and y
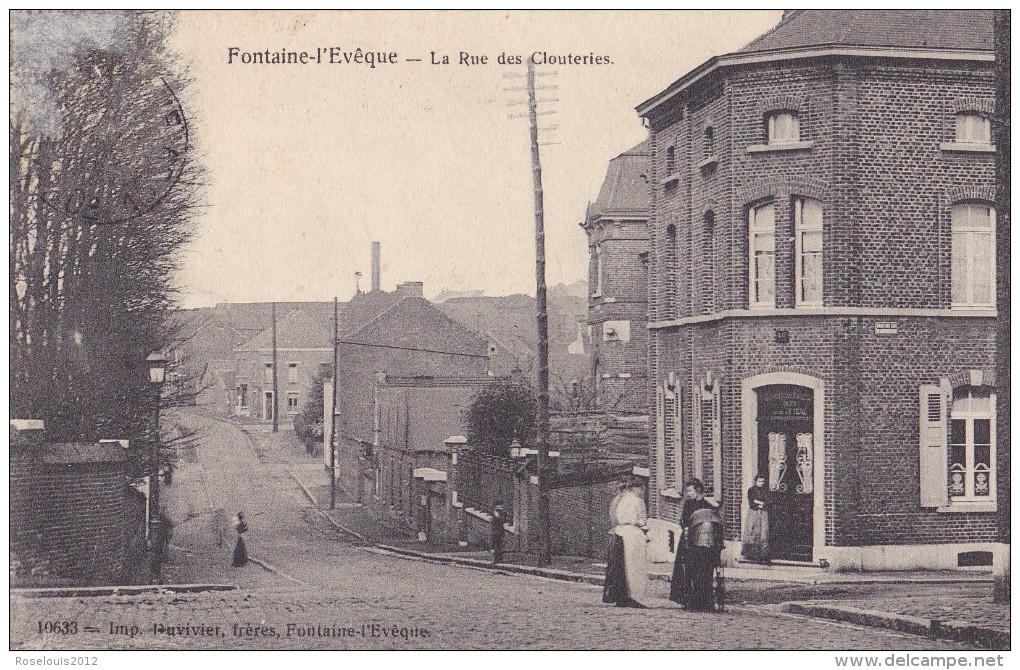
157, 375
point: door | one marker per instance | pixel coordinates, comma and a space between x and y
786, 459
267, 407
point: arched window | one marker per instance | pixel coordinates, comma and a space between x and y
973, 256
807, 216
670, 160
708, 280
762, 256
973, 128
709, 141
971, 473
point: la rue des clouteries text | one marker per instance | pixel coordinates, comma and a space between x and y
373, 58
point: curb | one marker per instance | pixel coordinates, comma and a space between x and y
315, 506
561, 575
959, 631
97, 591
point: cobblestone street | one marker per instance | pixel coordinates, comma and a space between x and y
324, 592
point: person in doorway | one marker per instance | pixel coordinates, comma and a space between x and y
694, 499
756, 527
616, 580
632, 528
240, 550
496, 534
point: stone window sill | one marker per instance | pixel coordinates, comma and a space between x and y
671, 493
708, 162
780, 146
964, 507
674, 176
963, 147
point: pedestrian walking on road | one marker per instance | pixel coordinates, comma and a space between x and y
497, 532
240, 550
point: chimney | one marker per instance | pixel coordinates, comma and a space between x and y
412, 288
375, 267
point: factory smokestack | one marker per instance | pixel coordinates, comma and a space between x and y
375, 266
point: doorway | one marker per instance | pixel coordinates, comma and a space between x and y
267, 407
786, 445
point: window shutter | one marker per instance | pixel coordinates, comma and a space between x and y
934, 448
660, 438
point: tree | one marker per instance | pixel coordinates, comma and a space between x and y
103, 188
308, 425
502, 412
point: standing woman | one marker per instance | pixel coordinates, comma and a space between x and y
756, 527
694, 499
240, 551
615, 588
632, 528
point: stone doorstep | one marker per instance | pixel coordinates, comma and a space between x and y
94, 591
959, 631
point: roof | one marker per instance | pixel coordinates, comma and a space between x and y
625, 190
364, 308
916, 28
258, 315
297, 330
916, 34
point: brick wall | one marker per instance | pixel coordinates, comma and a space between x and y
579, 519
72, 512
886, 187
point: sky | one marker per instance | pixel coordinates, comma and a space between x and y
308, 164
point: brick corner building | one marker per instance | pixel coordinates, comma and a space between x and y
617, 228
821, 297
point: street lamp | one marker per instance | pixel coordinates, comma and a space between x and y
157, 374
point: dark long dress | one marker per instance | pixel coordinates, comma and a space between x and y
615, 589
240, 553
680, 584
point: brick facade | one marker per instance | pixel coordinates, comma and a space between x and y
617, 228
872, 150
73, 513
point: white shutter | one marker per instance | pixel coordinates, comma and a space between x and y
678, 452
660, 440
934, 434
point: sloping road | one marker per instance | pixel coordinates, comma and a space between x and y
329, 593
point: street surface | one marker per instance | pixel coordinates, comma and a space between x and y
323, 591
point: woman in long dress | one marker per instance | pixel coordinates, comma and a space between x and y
615, 589
756, 526
632, 528
240, 550
694, 499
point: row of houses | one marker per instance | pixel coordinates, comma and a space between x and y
797, 268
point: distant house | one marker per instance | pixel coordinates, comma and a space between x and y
509, 325
398, 334
617, 228
303, 346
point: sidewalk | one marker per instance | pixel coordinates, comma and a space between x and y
946, 604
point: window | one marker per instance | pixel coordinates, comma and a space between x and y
269, 372
762, 259
292, 403
709, 141
973, 255
971, 475
292, 372
973, 128
783, 127
598, 271
807, 215
670, 160
242, 394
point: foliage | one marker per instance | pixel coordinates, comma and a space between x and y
90, 293
308, 425
502, 412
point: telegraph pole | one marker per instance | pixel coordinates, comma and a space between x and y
544, 548
332, 411
276, 386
